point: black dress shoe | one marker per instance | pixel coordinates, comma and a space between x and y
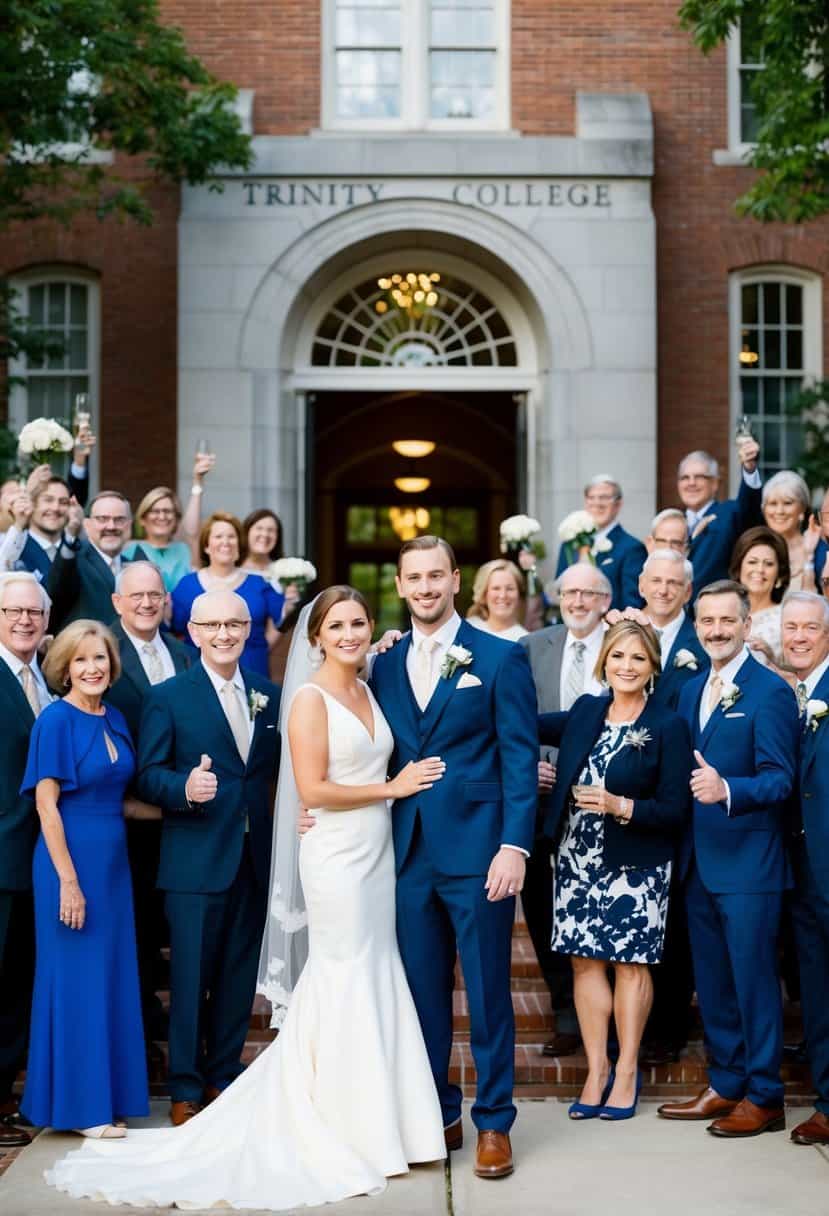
12, 1136
655, 1055
562, 1045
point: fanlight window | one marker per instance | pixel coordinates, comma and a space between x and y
414, 318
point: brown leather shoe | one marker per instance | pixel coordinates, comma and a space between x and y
493, 1158
747, 1119
561, 1045
211, 1093
814, 1130
706, 1105
453, 1135
12, 1136
180, 1112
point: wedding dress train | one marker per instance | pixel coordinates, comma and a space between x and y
344, 1098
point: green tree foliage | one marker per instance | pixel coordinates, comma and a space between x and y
792, 97
811, 408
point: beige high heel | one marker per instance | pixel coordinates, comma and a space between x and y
102, 1131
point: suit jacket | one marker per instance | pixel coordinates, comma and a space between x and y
201, 845
33, 558
82, 586
129, 691
18, 819
622, 565
486, 734
821, 552
813, 788
710, 552
545, 650
654, 776
753, 746
673, 679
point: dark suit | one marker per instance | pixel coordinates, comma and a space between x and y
710, 551
673, 679
621, 564
546, 651
810, 906
18, 832
144, 836
735, 867
214, 873
81, 586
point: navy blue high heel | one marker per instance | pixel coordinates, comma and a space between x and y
615, 1113
587, 1110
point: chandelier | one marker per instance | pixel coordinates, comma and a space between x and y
412, 292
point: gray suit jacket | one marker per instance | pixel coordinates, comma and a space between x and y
545, 649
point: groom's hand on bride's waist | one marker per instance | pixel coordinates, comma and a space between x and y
506, 874
305, 821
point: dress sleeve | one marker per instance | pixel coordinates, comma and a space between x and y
274, 604
182, 600
51, 751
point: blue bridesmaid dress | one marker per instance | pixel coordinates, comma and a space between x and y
86, 1054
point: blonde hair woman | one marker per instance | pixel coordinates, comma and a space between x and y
170, 535
498, 600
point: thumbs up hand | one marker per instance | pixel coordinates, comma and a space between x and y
202, 784
707, 785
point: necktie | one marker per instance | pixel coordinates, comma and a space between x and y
154, 667
802, 694
27, 679
422, 681
575, 676
714, 693
236, 719
51, 552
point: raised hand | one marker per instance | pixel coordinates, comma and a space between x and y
21, 510
707, 785
202, 784
38, 478
748, 452
202, 465
84, 443
74, 520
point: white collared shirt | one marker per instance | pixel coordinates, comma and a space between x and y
238, 683
114, 563
753, 480
728, 676
816, 676
592, 646
165, 658
668, 635
16, 665
443, 639
46, 543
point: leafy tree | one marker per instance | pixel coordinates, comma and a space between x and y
811, 408
791, 93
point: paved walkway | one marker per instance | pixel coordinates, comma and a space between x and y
639, 1168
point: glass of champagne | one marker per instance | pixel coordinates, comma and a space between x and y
744, 430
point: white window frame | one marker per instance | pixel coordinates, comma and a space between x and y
415, 77
22, 281
812, 286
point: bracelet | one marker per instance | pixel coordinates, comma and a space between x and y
197, 489
624, 815
809, 565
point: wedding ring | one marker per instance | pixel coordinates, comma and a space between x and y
512, 890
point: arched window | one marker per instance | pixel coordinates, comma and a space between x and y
414, 318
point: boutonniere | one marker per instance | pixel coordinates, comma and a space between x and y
686, 658
456, 656
816, 711
257, 701
637, 737
729, 696
702, 525
601, 545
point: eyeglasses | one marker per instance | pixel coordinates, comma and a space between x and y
572, 592
662, 542
158, 512
600, 500
117, 521
14, 614
234, 628
686, 477
155, 597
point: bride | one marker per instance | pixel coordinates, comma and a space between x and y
344, 1098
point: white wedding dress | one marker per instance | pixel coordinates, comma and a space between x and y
344, 1098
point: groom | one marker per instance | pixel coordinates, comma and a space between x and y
451, 690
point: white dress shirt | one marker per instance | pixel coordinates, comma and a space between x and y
164, 656
16, 665
443, 639
115, 564
592, 646
668, 635
728, 676
238, 683
48, 545
815, 678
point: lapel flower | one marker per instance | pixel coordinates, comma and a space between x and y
686, 658
638, 736
456, 656
816, 711
729, 696
601, 545
257, 701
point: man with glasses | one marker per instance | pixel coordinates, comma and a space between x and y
24, 617
147, 659
208, 756
82, 577
669, 530
562, 658
617, 554
714, 526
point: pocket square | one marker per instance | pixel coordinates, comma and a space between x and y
467, 680
735, 715
271, 726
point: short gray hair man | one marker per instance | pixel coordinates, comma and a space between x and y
11, 577
670, 555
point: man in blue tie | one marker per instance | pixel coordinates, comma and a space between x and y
617, 553
743, 721
714, 526
805, 633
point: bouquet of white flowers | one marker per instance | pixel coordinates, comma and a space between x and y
41, 438
521, 534
577, 532
294, 570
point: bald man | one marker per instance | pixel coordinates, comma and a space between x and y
208, 756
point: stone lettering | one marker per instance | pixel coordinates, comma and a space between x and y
486, 194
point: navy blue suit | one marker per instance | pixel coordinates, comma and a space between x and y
214, 873
673, 679
444, 841
736, 870
810, 907
81, 586
710, 552
821, 551
622, 565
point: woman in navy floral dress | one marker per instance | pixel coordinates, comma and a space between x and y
620, 801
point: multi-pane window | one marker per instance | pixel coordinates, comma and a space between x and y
416, 63
751, 62
60, 310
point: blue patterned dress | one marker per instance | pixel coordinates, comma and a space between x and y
613, 914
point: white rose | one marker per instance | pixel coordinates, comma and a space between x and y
518, 528
577, 523
293, 569
602, 545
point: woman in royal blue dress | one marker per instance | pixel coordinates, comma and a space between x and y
220, 548
86, 1069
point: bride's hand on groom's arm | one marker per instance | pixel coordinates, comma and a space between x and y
506, 874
